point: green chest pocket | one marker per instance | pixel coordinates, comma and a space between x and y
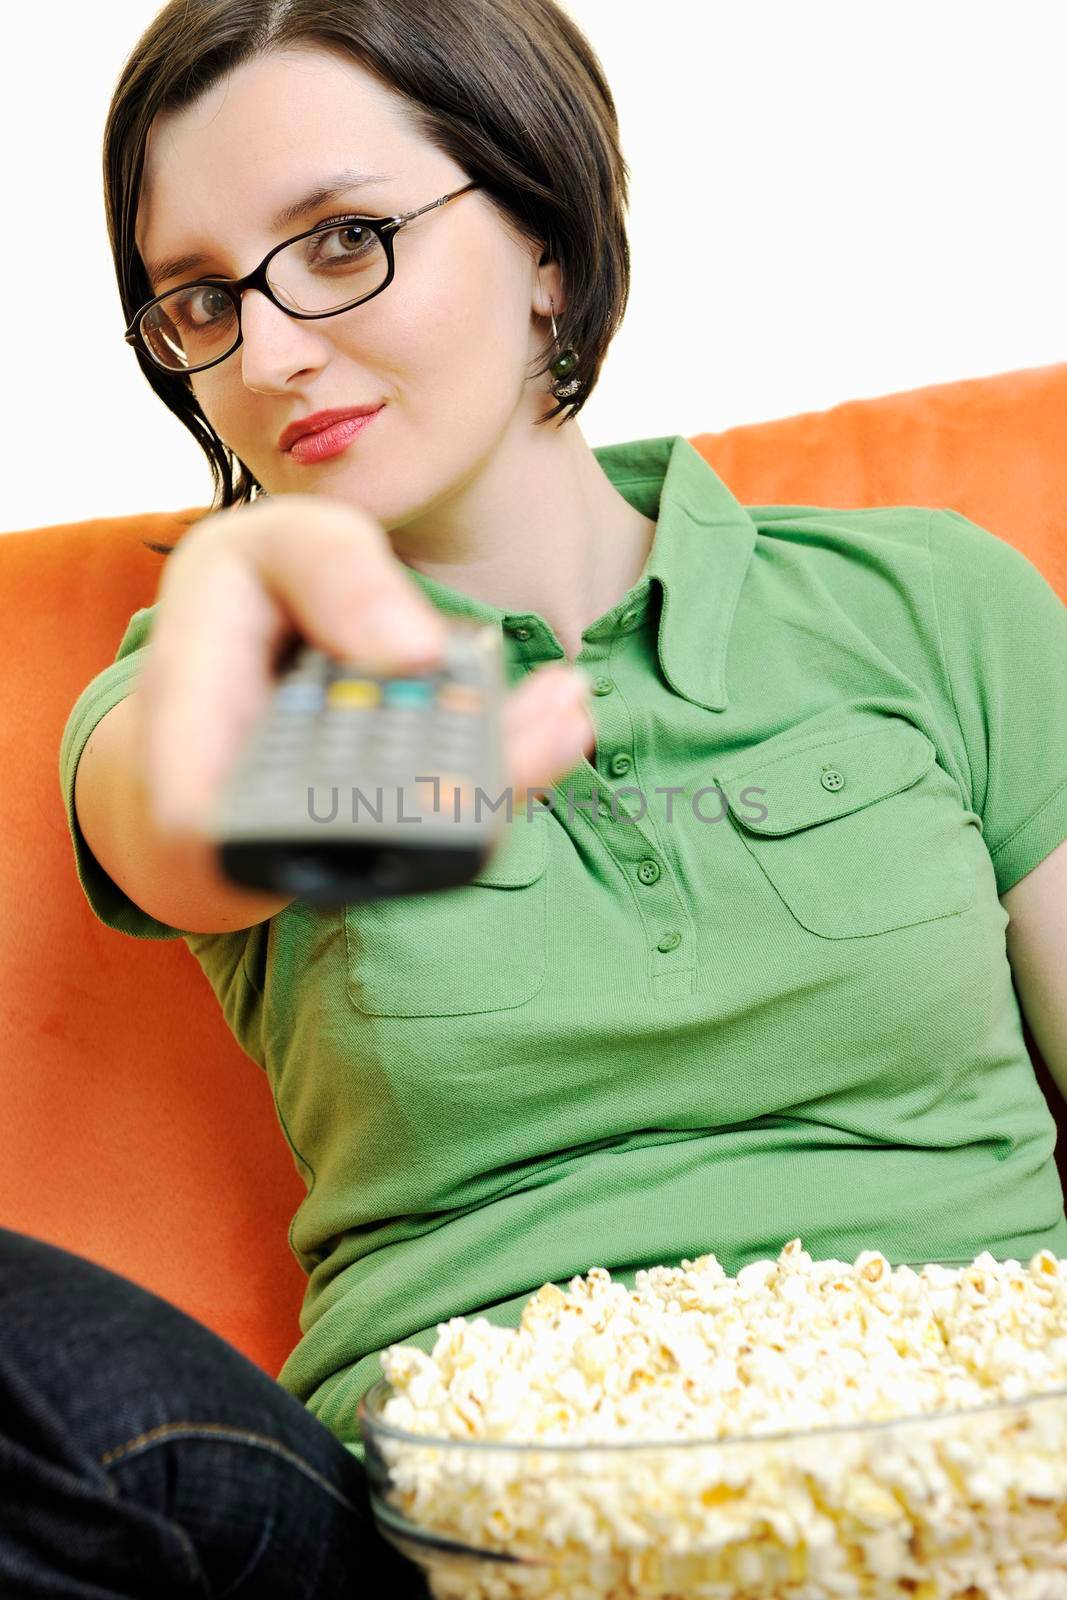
481, 947
858, 831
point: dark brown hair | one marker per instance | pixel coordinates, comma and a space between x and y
510, 89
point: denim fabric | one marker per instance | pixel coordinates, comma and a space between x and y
141, 1455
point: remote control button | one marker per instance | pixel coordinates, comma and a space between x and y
408, 692
353, 692
298, 697
460, 697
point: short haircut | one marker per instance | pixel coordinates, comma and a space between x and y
510, 89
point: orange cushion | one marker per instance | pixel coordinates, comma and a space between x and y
137, 1132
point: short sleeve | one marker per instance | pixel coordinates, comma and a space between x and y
110, 904
1004, 640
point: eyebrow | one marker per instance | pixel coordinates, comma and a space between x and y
329, 189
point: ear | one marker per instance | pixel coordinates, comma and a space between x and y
549, 291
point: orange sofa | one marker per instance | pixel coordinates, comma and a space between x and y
136, 1132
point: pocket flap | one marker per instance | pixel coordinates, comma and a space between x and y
829, 777
519, 856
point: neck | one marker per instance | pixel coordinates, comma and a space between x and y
541, 528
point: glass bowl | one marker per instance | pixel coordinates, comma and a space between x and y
969, 1503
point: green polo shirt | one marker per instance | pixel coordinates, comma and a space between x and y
741, 977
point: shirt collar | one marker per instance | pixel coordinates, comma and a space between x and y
700, 554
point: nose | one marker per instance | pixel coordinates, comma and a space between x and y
274, 344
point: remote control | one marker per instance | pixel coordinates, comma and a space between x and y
356, 785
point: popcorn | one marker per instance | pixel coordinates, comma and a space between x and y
927, 1506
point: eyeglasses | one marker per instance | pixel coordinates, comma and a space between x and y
325, 270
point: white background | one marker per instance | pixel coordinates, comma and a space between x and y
831, 199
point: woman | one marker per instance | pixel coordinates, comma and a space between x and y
743, 979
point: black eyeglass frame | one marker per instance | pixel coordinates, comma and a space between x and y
384, 227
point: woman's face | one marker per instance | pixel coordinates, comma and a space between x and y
445, 346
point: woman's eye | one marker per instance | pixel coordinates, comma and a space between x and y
347, 242
349, 237
207, 303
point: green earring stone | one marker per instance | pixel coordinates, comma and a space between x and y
564, 365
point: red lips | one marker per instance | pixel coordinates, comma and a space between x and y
322, 419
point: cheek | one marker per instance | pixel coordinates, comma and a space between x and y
208, 397
469, 353
465, 323
224, 397
230, 416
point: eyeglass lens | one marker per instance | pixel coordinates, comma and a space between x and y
327, 271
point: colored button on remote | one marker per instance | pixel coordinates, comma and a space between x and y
353, 692
408, 692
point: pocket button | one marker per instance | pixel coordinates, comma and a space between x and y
833, 861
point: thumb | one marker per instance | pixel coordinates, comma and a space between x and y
547, 729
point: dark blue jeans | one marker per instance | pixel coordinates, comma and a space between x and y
142, 1456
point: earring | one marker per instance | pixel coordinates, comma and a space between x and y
563, 365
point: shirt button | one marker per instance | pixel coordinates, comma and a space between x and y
628, 618
832, 779
520, 633
619, 763
648, 871
670, 941
602, 686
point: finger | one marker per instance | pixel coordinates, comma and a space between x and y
354, 599
546, 729
238, 589
205, 681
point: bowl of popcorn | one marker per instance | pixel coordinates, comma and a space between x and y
805, 1429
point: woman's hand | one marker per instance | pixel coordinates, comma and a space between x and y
242, 585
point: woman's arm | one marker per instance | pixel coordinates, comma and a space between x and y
177, 881
1036, 939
